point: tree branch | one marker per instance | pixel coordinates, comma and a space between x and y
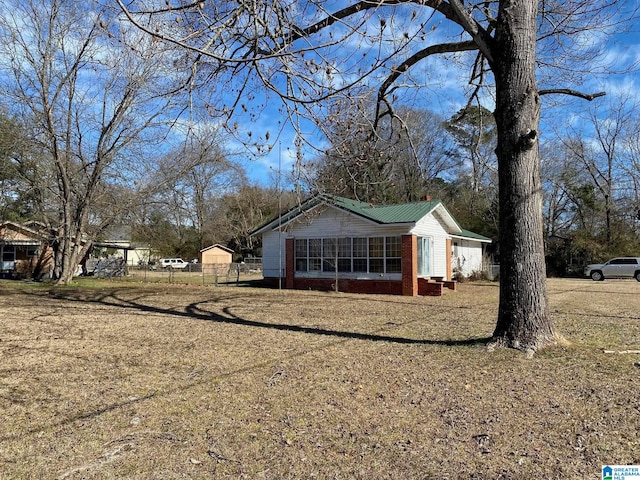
339, 15
415, 58
573, 93
473, 28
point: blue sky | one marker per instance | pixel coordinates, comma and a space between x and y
445, 85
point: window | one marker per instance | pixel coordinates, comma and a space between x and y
393, 255
9, 254
376, 255
344, 255
360, 254
302, 256
347, 255
315, 254
329, 254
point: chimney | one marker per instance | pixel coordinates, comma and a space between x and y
426, 198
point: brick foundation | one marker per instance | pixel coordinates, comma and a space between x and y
388, 287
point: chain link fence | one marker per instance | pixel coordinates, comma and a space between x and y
199, 273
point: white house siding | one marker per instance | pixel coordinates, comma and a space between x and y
429, 226
331, 222
270, 257
467, 256
138, 256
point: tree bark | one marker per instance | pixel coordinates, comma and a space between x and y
524, 322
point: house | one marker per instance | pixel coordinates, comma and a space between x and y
23, 252
133, 254
116, 242
330, 242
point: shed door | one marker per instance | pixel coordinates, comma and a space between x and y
424, 256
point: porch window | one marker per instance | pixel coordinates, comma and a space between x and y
8, 261
360, 249
315, 254
349, 254
329, 254
376, 255
344, 255
302, 257
393, 255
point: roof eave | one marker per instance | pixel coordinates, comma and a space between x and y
222, 247
462, 237
290, 215
449, 220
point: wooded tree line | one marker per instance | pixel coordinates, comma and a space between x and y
590, 173
197, 196
591, 181
97, 131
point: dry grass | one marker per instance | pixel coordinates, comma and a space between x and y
118, 381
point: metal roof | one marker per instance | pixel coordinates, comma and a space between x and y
400, 214
472, 235
385, 214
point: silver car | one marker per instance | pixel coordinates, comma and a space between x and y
623, 267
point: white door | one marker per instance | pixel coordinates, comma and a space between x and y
424, 256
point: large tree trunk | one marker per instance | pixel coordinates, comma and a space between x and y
523, 319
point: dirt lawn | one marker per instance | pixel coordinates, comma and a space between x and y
166, 382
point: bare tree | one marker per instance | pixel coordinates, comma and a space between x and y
193, 197
397, 162
559, 178
93, 103
12, 148
632, 168
603, 157
240, 212
304, 54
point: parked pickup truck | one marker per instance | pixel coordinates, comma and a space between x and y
623, 267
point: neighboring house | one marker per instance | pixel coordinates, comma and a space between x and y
399, 249
23, 252
216, 259
134, 254
117, 241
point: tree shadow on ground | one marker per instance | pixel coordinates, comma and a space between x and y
113, 297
